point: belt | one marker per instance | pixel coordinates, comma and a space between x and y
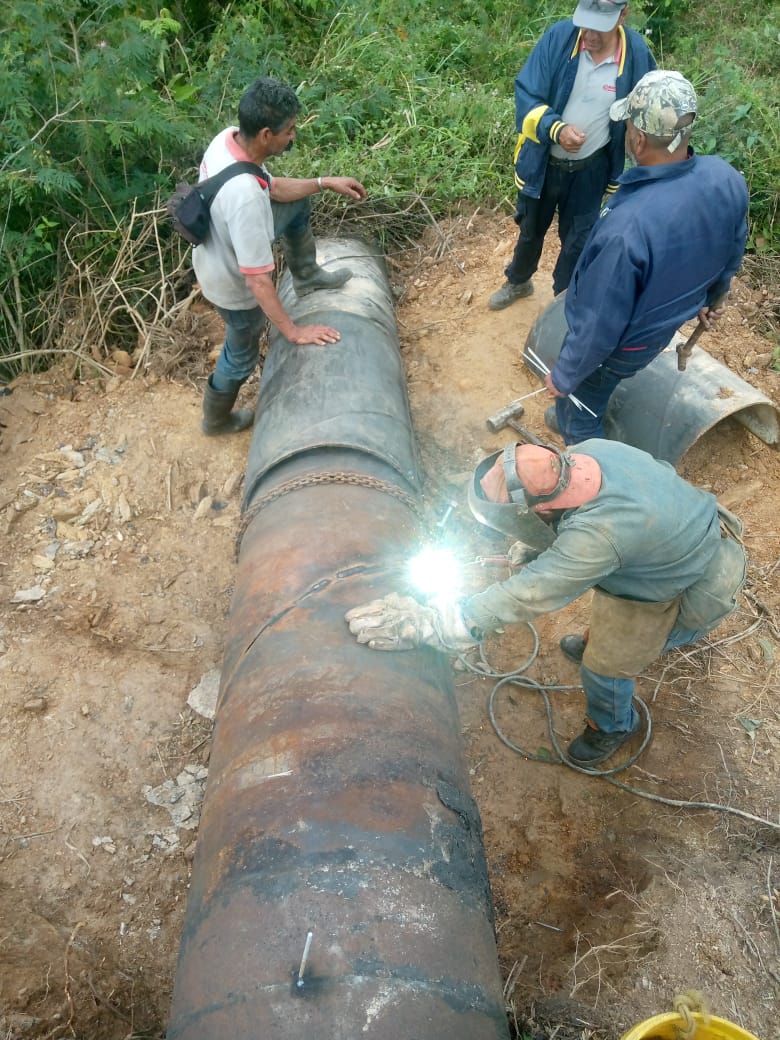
574, 165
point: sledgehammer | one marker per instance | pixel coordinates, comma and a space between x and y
508, 416
684, 349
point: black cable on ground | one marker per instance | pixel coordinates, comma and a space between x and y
517, 678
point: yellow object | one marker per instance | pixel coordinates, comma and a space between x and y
667, 1027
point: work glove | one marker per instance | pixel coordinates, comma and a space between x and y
520, 553
401, 623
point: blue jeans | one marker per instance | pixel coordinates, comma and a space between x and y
608, 700
238, 357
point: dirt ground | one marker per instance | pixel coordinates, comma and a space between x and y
116, 576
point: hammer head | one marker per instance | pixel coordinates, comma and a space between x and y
501, 419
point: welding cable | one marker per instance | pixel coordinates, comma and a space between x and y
517, 678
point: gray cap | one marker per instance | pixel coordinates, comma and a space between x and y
600, 15
656, 105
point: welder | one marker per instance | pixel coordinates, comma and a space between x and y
665, 561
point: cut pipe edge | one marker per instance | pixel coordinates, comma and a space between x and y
661, 410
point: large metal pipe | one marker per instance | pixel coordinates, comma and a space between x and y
660, 410
338, 800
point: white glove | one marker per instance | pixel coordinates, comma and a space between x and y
401, 623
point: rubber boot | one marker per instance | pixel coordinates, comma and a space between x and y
300, 252
551, 419
218, 416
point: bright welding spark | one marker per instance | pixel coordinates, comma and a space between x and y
435, 572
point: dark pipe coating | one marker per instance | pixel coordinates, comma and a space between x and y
338, 799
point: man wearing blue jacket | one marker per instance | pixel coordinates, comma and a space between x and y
568, 153
664, 249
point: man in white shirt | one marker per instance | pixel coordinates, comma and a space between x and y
568, 154
235, 264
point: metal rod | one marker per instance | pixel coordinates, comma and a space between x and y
302, 970
574, 400
533, 393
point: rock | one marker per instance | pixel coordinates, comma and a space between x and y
31, 595
42, 563
204, 507
36, 705
75, 458
203, 698
232, 483
181, 797
122, 510
106, 843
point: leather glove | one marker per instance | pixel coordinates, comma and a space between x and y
520, 553
401, 623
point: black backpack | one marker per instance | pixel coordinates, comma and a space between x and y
190, 205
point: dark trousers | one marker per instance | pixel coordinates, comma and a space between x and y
595, 391
577, 196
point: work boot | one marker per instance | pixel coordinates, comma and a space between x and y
508, 293
573, 647
594, 745
551, 419
300, 252
218, 416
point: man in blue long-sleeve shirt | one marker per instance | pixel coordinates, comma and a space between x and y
665, 249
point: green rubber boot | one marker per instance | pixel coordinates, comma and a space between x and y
218, 416
300, 252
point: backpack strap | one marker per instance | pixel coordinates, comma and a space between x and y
209, 187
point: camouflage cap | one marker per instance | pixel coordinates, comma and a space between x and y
656, 105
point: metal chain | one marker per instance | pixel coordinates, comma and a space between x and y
332, 477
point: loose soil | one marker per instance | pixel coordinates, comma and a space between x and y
116, 578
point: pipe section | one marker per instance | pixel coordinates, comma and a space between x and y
338, 820
660, 410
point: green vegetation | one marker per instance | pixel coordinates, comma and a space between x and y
107, 105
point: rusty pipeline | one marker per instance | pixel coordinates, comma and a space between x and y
339, 886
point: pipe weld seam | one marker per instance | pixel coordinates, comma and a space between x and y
327, 477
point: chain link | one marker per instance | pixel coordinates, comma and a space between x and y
332, 477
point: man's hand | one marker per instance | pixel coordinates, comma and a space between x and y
345, 186
401, 623
319, 335
709, 315
551, 386
571, 139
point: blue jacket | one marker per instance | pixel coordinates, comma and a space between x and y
666, 245
648, 535
542, 88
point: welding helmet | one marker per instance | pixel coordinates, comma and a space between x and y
540, 476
